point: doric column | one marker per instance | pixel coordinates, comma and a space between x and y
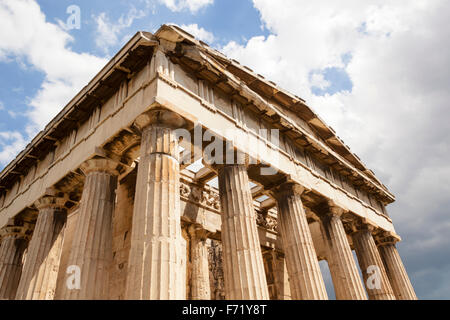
200, 286
215, 260
303, 268
243, 264
401, 285
183, 275
281, 277
374, 275
156, 243
277, 275
40, 271
14, 241
91, 249
346, 279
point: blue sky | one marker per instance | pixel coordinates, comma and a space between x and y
359, 64
20, 80
223, 22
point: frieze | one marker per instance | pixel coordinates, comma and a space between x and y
267, 221
204, 197
209, 198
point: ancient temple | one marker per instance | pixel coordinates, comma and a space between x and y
177, 173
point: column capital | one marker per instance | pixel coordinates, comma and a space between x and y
159, 116
360, 225
385, 238
335, 209
17, 232
48, 201
197, 231
100, 165
329, 208
239, 159
285, 188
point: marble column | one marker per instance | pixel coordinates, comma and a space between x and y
277, 275
243, 265
183, 275
303, 268
401, 285
346, 280
40, 271
14, 241
91, 249
372, 268
200, 286
281, 278
154, 265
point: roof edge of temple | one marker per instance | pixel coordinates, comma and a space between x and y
143, 38
173, 33
167, 32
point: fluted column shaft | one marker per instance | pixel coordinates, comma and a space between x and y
243, 264
91, 249
396, 272
374, 275
155, 260
200, 286
305, 277
40, 271
281, 277
346, 279
14, 241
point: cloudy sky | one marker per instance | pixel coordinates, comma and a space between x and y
376, 71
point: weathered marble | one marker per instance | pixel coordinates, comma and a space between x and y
346, 279
91, 247
303, 268
242, 259
396, 272
130, 244
277, 275
200, 286
156, 242
40, 271
216, 276
371, 266
14, 241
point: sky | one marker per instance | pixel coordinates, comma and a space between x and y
377, 71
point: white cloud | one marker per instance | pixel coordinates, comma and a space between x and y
25, 34
108, 32
198, 32
192, 5
318, 81
396, 115
12, 114
11, 143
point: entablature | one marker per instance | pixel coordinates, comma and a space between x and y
239, 82
110, 124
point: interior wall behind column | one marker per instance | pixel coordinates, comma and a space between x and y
269, 266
